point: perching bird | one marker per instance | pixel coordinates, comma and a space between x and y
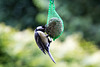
43, 41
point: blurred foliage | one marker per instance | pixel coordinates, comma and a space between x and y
18, 13
18, 49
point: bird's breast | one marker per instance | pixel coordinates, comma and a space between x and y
43, 37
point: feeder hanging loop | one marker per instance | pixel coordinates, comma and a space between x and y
52, 1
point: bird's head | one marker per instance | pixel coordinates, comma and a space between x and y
40, 28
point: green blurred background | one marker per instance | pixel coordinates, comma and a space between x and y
78, 46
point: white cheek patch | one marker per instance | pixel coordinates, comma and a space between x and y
39, 27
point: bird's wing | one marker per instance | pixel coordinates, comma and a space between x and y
39, 42
42, 46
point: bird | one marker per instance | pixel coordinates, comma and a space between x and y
43, 41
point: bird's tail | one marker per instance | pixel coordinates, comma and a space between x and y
51, 57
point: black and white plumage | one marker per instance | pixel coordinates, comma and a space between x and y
43, 41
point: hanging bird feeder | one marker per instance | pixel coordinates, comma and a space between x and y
54, 26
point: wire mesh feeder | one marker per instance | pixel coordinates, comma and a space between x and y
54, 26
